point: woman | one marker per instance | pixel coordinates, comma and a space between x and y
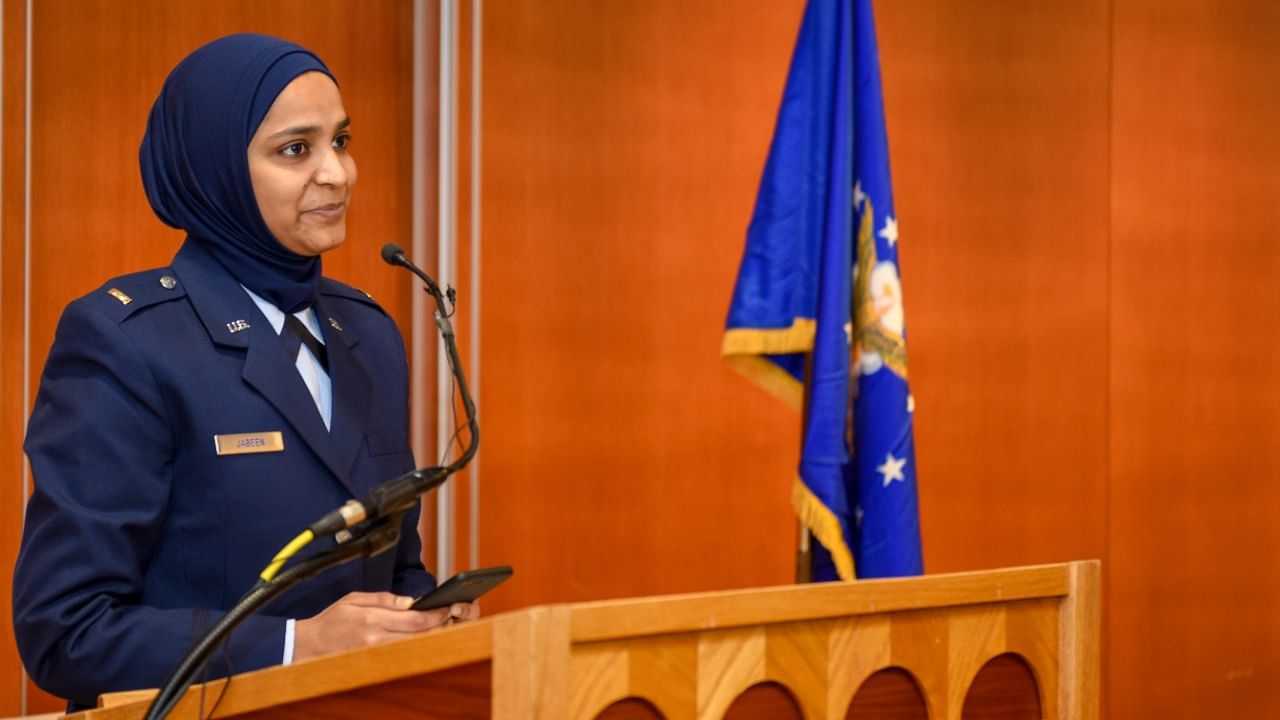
192, 419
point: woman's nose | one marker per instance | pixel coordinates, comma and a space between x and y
332, 170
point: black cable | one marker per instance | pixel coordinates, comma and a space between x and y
379, 537
455, 364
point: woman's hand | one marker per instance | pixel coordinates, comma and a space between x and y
361, 619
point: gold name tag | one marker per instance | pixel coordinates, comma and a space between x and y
242, 443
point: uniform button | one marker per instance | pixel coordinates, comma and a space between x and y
168, 282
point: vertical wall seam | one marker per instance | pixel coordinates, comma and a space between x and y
446, 247
477, 33
418, 238
26, 275
1109, 404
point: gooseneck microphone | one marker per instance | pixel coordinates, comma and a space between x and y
398, 495
394, 255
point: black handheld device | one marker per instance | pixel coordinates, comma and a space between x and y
466, 586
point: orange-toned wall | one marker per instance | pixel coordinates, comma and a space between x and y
622, 143
96, 66
1085, 194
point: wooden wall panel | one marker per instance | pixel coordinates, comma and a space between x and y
96, 66
12, 404
1195, 314
998, 130
623, 142
84, 155
1086, 197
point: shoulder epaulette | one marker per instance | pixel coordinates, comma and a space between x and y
329, 286
122, 296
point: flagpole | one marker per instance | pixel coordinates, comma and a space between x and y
804, 557
804, 543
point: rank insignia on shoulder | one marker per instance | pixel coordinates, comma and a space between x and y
119, 294
236, 326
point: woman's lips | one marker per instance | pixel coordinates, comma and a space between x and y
332, 211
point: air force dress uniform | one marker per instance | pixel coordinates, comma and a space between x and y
174, 449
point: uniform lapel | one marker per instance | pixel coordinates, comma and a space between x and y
352, 386
272, 373
232, 320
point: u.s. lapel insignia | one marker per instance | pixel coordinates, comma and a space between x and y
334, 324
236, 326
245, 443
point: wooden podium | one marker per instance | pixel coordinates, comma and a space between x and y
1013, 643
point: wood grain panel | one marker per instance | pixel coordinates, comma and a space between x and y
661, 670
96, 67
998, 130
1196, 366
87, 203
688, 664
460, 693
858, 649
13, 407
623, 142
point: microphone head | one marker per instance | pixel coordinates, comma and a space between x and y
392, 254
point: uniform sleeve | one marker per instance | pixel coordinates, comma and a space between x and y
101, 444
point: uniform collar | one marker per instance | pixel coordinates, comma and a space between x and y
232, 320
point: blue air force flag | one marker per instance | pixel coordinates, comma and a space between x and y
817, 315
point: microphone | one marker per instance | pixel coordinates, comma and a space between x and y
393, 254
399, 494
391, 497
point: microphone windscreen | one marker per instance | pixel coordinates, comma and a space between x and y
389, 253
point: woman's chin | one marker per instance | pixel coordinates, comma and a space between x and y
313, 244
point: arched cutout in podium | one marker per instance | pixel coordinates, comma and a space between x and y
889, 694
765, 700
630, 708
1004, 689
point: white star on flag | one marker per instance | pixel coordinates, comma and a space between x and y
891, 469
857, 516
858, 196
890, 231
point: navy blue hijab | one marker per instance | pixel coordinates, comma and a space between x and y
195, 163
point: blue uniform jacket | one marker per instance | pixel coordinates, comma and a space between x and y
139, 534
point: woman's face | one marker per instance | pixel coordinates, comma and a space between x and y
301, 169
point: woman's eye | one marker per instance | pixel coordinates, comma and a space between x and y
341, 142
294, 149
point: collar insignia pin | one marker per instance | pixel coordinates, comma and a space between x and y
334, 324
236, 326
